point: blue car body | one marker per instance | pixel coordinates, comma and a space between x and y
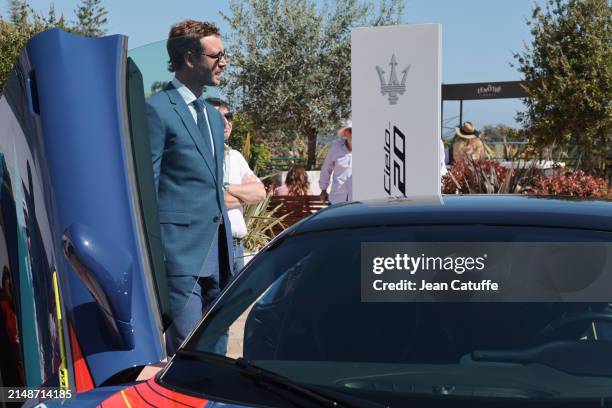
77, 269
83, 300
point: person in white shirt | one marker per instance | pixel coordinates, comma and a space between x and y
240, 184
443, 169
338, 167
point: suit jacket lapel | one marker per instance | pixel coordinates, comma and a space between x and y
180, 107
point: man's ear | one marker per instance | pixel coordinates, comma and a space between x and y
188, 59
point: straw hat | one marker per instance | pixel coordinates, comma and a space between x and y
345, 125
467, 131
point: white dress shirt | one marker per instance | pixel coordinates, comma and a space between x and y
339, 161
236, 168
189, 99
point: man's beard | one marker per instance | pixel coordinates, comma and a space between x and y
205, 78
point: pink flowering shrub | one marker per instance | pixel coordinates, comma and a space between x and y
489, 177
577, 184
465, 177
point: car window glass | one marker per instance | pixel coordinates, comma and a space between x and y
310, 286
300, 304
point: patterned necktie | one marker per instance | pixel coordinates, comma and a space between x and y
203, 125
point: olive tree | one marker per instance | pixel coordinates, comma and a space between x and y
568, 71
291, 63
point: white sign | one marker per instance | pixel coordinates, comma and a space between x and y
396, 98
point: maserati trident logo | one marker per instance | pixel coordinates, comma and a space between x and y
393, 87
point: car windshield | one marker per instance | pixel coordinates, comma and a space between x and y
297, 310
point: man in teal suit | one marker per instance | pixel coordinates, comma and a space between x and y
186, 137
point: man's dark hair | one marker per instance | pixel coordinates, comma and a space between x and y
218, 102
185, 37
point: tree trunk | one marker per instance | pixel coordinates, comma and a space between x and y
312, 149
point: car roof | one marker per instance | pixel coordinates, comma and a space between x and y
502, 210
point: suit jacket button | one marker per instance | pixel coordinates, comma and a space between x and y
216, 219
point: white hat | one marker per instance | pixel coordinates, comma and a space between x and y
345, 125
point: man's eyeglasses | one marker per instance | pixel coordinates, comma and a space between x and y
229, 116
218, 56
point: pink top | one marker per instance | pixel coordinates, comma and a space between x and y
284, 190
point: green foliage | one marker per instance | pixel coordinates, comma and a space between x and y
501, 142
24, 23
261, 223
568, 68
291, 72
260, 157
503, 133
241, 128
157, 86
91, 17
257, 153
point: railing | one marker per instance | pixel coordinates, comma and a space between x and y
501, 154
285, 163
295, 207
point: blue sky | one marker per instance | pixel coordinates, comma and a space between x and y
479, 37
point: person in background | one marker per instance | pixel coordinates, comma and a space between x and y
296, 183
338, 167
467, 144
271, 183
443, 169
186, 138
240, 184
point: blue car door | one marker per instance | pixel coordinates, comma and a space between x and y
83, 291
